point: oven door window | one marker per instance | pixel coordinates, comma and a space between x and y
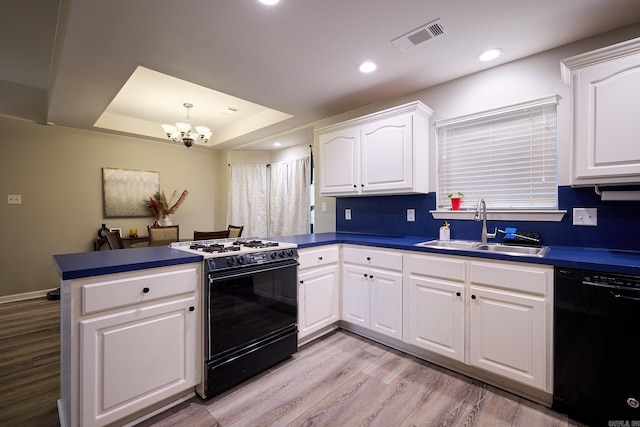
248, 306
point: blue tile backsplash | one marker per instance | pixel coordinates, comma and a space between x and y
618, 221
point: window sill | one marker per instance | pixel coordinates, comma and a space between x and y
502, 215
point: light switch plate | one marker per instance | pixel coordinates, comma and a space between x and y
585, 216
347, 214
324, 206
411, 215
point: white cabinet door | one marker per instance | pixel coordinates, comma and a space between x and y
372, 298
318, 299
507, 335
386, 302
340, 165
436, 316
355, 295
607, 128
135, 358
387, 154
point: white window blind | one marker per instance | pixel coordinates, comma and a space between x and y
506, 156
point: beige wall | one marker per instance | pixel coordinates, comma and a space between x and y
58, 173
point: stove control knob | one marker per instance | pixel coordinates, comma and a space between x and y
281, 254
240, 260
231, 260
274, 255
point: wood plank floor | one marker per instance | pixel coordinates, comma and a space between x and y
347, 380
29, 363
339, 380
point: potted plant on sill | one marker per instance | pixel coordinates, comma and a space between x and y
455, 200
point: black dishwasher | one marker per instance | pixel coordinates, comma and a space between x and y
596, 336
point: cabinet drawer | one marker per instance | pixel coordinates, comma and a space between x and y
516, 277
118, 290
318, 256
433, 266
372, 258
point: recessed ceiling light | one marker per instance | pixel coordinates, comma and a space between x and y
367, 67
277, 144
489, 54
269, 2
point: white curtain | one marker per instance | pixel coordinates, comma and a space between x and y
290, 198
248, 199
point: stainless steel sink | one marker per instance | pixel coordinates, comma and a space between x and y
470, 245
514, 250
449, 244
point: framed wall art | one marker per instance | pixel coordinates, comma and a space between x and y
125, 191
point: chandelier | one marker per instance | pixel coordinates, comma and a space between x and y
185, 133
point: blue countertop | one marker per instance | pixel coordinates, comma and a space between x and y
86, 264
614, 261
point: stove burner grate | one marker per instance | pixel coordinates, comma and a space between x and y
256, 244
214, 248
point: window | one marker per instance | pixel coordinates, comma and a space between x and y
506, 156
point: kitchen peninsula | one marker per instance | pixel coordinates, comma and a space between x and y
130, 332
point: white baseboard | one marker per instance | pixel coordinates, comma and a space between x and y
25, 296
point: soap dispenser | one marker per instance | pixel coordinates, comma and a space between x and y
445, 231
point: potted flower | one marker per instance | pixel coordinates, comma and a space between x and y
161, 207
455, 200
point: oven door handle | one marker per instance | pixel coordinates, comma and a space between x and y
240, 272
620, 295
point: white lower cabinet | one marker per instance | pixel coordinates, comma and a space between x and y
318, 291
372, 290
493, 315
134, 341
507, 335
510, 319
435, 303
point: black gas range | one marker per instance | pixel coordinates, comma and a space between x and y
250, 308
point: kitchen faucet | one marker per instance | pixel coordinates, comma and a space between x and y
481, 214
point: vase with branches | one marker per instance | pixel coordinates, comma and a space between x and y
162, 207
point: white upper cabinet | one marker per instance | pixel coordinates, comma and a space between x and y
605, 103
381, 153
340, 165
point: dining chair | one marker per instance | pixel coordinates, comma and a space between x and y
206, 235
234, 230
162, 236
114, 240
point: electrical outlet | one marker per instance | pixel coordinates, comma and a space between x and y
347, 214
585, 216
411, 215
14, 199
324, 206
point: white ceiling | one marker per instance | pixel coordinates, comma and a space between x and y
68, 62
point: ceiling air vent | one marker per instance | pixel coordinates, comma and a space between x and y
419, 35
